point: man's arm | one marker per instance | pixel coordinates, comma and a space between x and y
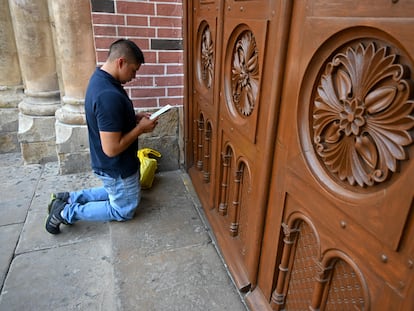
114, 143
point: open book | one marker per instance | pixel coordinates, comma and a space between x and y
160, 112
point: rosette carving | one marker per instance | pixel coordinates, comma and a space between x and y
245, 73
362, 115
207, 62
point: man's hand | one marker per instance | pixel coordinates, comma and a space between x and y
146, 125
141, 115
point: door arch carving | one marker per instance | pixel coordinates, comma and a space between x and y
310, 278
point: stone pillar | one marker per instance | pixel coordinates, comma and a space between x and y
76, 58
34, 43
11, 87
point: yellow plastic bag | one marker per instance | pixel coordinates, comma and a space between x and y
148, 166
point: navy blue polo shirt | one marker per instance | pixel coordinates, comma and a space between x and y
109, 109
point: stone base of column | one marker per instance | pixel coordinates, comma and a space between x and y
38, 152
9, 118
72, 147
9, 123
36, 135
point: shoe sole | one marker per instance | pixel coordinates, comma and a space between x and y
46, 221
53, 197
49, 206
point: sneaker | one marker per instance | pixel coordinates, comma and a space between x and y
64, 196
55, 219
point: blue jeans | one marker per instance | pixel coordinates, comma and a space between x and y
116, 200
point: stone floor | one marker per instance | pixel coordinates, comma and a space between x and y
163, 259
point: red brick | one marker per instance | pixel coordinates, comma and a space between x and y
147, 92
145, 32
104, 42
169, 81
170, 1
101, 56
175, 91
173, 9
175, 69
143, 45
104, 30
169, 33
165, 22
145, 102
170, 57
150, 57
133, 20
150, 69
107, 19
142, 8
141, 81
176, 101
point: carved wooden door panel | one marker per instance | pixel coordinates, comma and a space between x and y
339, 228
238, 119
254, 39
203, 107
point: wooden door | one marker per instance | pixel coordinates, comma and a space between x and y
233, 112
340, 222
204, 46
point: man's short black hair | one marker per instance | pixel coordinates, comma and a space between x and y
128, 49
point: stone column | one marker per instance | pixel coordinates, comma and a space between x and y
11, 86
34, 43
76, 57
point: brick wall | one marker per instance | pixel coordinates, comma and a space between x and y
156, 27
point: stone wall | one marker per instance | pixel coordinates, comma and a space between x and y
166, 139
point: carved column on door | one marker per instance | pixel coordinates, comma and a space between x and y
224, 187
322, 278
278, 296
200, 131
234, 225
194, 141
207, 150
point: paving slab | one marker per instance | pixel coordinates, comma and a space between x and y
17, 189
9, 235
190, 278
75, 277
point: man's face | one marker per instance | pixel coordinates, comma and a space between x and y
128, 71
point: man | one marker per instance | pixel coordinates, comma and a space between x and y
113, 130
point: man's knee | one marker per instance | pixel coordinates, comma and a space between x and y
126, 213
128, 216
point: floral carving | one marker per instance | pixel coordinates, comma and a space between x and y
207, 57
245, 73
362, 115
